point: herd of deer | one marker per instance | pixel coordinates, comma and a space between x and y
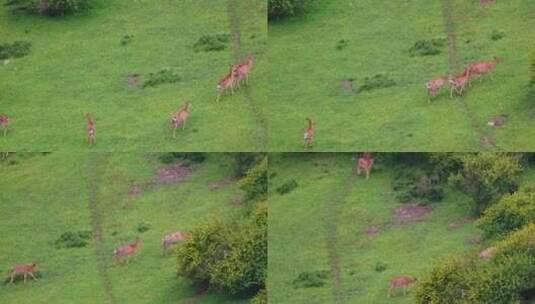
238, 75
122, 254
459, 82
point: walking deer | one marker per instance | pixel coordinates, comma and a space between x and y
458, 83
227, 82
180, 117
91, 131
365, 163
4, 123
242, 69
173, 238
483, 67
127, 252
434, 86
24, 270
487, 253
309, 134
402, 282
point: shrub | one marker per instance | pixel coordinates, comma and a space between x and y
311, 279
166, 75
16, 49
255, 182
445, 284
244, 161
445, 164
260, 298
427, 47
48, 7
73, 239
413, 185
126, 39
287, 187
497, 35
485, 177
376, 82
208, 43
380, 266
143, 227
342, 44
192, 157
284, 8
511, 213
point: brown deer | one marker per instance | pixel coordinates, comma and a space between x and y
227, 82
402, 282
365, 163
487, 253
173, 238
483, 67
180, 117
127, 252
4, 123
309, 134
24, 270
242, 69
91, 131
458, 83
434, 86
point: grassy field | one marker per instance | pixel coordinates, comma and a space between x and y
344, 225
77, 64
308, 63
44, 196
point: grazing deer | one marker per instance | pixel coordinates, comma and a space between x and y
91, 132
402, 282
24, 270
365, 162
227, 82
458, 83
4, 123
487, 253
434, 86
180, 117
483, 67
126, 252
242, 69
173, 238
309, 134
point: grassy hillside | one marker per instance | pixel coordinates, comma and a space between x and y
310, 57
346, 226
78, 64
44, 196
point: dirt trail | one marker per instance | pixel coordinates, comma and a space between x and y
485, 140
234, 26
95, 161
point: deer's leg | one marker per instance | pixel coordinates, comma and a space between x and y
367, 174
184, 124
33, 277
174, 131
12, 277
25, 276
390, 292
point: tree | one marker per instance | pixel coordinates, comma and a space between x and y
255, 182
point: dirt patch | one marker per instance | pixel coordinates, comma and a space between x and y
497, 121
220, 184
475, 240
237, 201
372, 231
171, 174
347, 84
487, 142
460, 222
132, 81
410, 213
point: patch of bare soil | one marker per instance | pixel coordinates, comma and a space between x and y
237, 201
220, 184
460, 222
475, 240
347, 85
171, 174
372, 230
497, 121
410, 213
132, 81
488, 142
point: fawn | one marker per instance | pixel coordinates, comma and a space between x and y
91, 132
173, 238
180, 117
458, 83
227, 82
309, 134
242, 69
126, 252
483, 67
4, 123
23, 269
365, 163
434, 86
402, 282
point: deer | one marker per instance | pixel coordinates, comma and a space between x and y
365, 163
309, 134
127, 252
4, 123
487, 253
227, 82
91, 132
458, 83
179, 118
173, 238
434, 86
483, 67
242, 69
402, 282
24, 270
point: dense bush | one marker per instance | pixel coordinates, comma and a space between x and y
445, 164
143, 227
287, 187
260, 298
208, 43
497, 35
16, 49
255, 182
48, 7
166, 75
427, 47
445, 284
311, 279
485, 177
171, 157
229, 256
414, 185
284, 8
73, 239
244, 161
511, 213
376, 82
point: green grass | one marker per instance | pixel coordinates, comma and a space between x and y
299, 221
306, 70
77, 65
44, 196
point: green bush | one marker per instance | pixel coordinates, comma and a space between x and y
143, 227
166, 75
244, 161
16, 49
255, 182
376, 82
485, 177
413, 185
380, 266
73, 239
260, 298
427, 47
48, 7
309, 279
445, 284
497, 35
283, 8
191, 157
208, 43
287, 187
511, 213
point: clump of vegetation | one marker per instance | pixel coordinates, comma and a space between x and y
311, 279
16, 49
143, 227
191, 157
260, 298
126, 39
244, 161
255, 182
163, 76
287, 187
284, 8
209, 43
485, 177
427, 47
380, 267
73, 239
342, 44
497, 35
231, 256
376, 82
48, 7
413, 185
